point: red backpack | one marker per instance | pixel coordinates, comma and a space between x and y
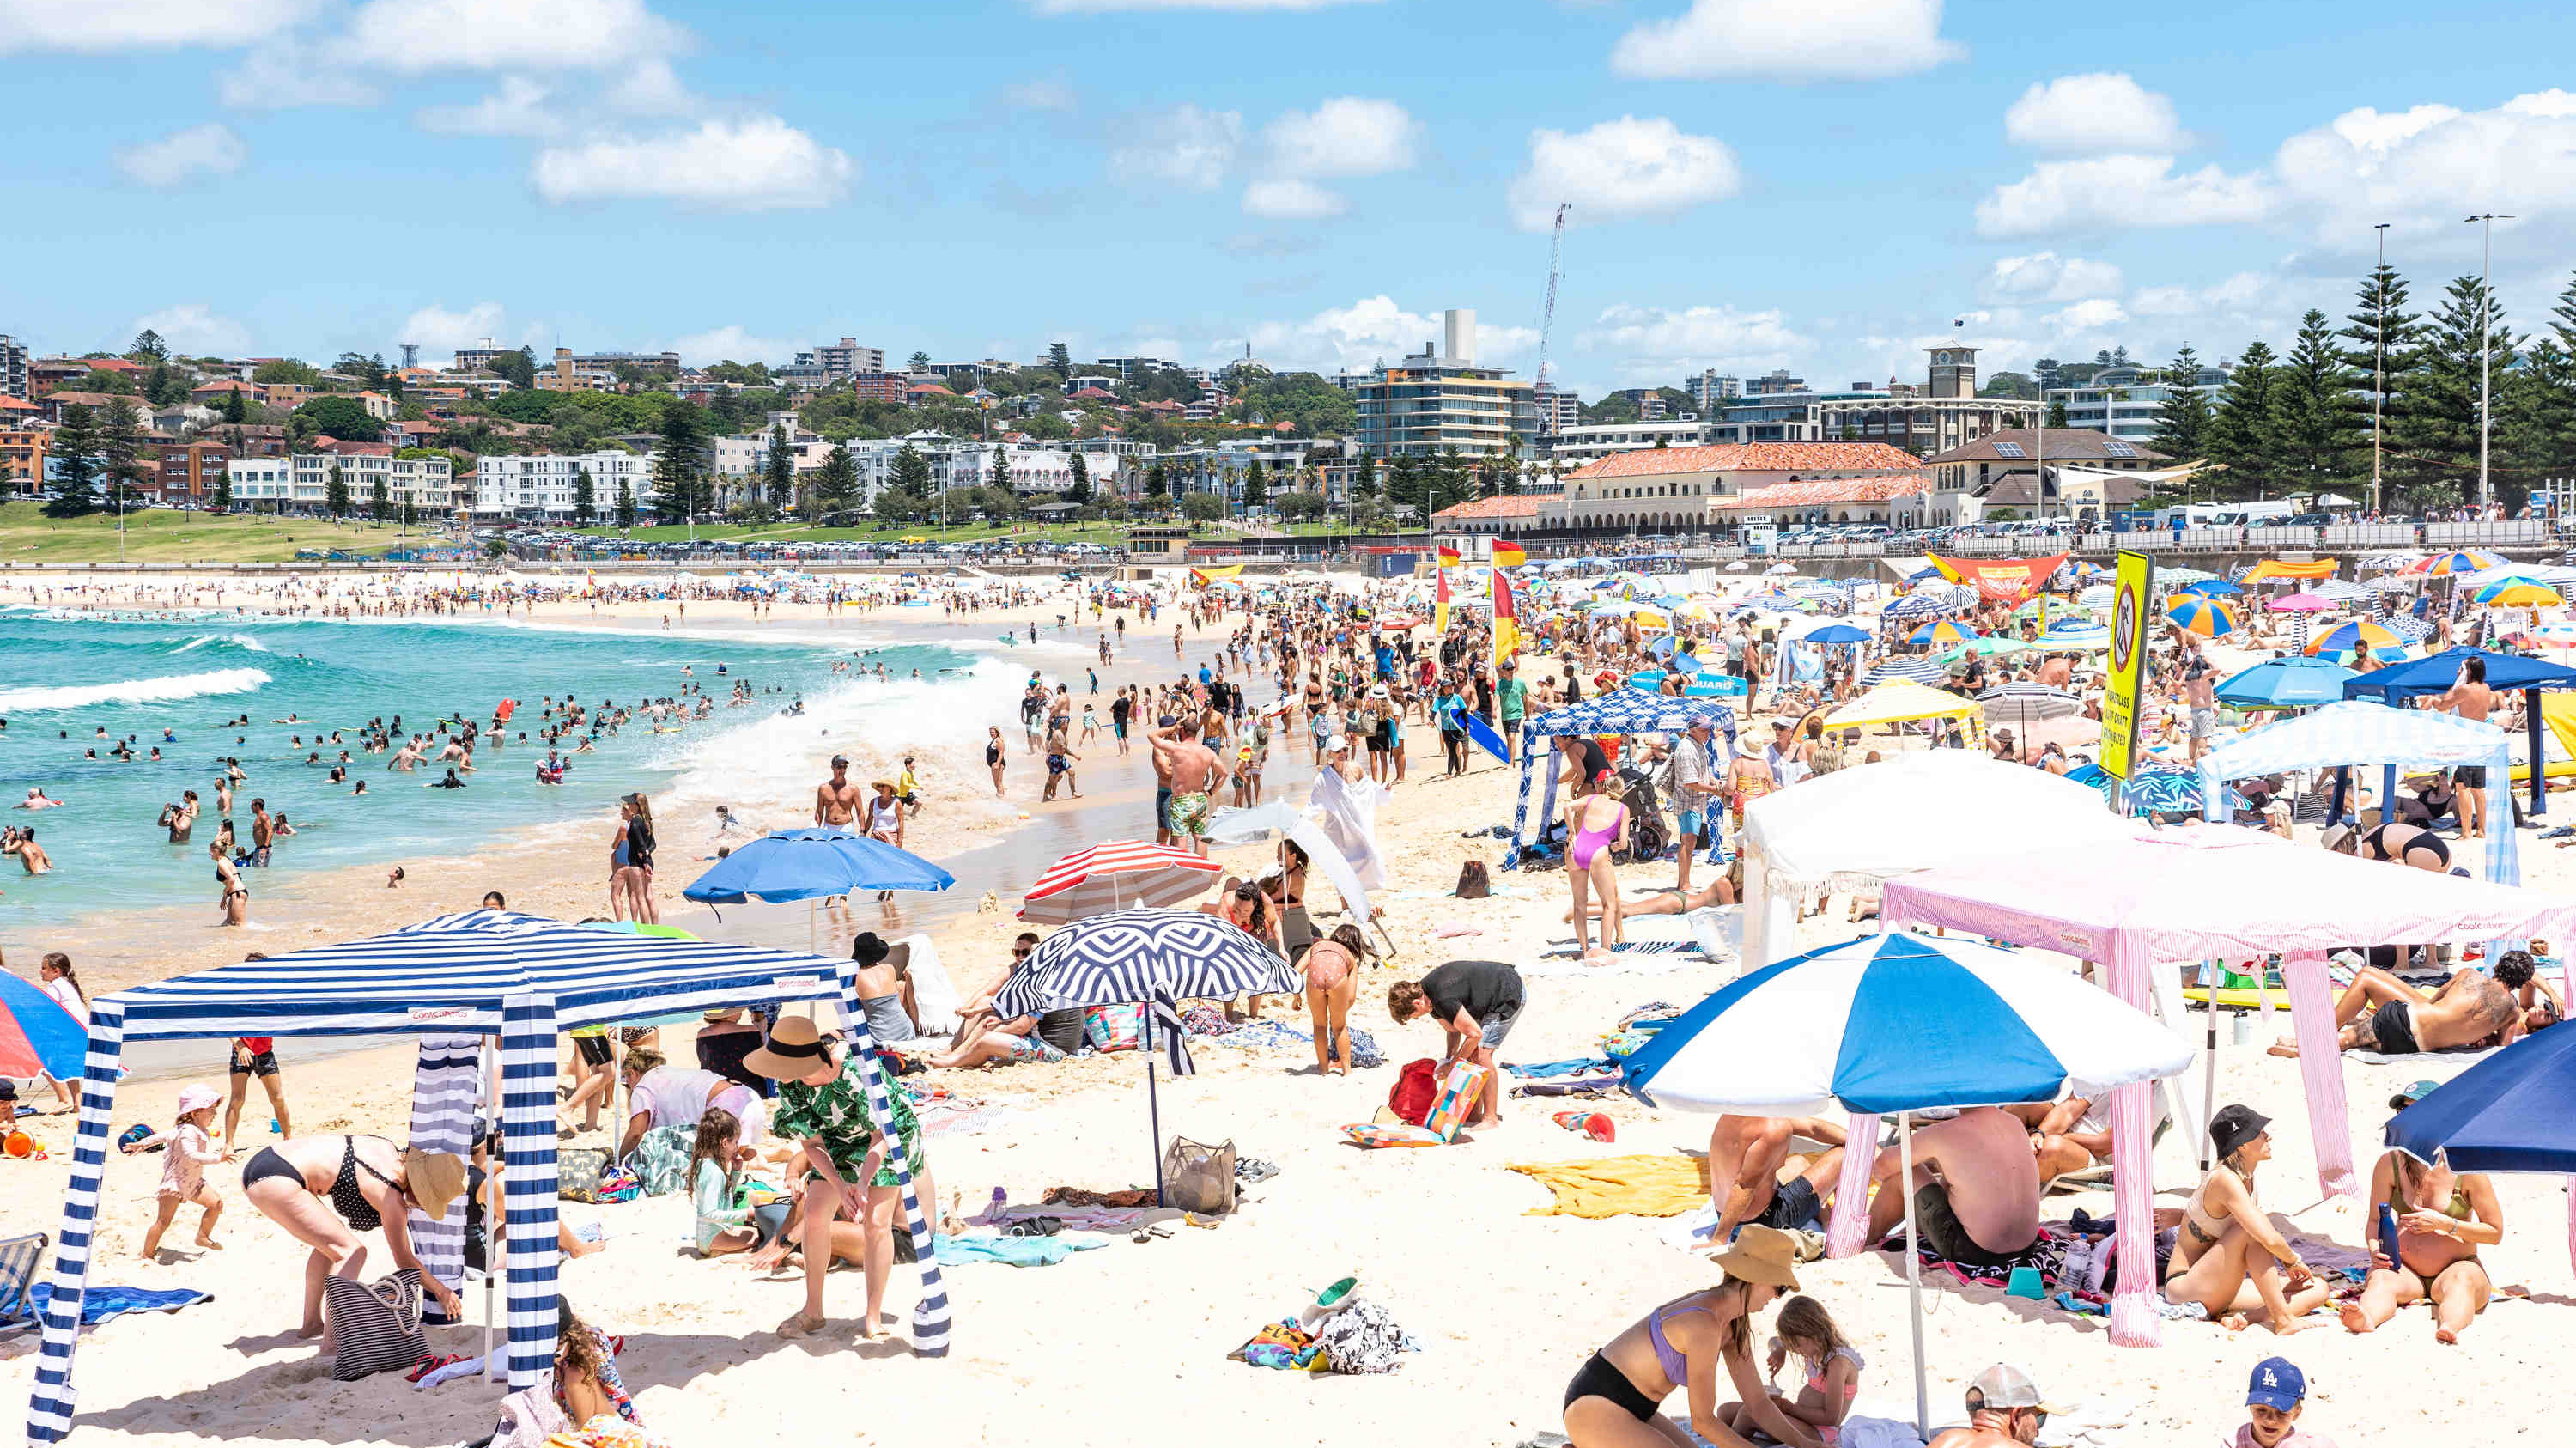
1414, 1091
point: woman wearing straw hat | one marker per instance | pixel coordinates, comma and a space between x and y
1615, 1398
823, 1106
364, 1182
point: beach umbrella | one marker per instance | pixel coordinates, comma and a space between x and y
813, 864
2204, 616
1909, 671
1837, 633
2160, 789
2025, 702
2183, 577
2291, 683
2339, 589
2407, 627
1913, 605
1738, 566
1894, 1024
36, 1034
2047, 609
1777, 569
2516, 593
2343, 638
1115, 875
1154, 958
2300, 603
1897, 703
1987, 649
2084, 638
2100, 595
2443, 565
1943, 631
2506, 1113
2213, 588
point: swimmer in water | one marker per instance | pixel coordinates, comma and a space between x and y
37, 799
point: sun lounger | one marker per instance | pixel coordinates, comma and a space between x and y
21, 1258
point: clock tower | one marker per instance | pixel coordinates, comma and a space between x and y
1954, 371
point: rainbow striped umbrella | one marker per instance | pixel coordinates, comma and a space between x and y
36, 1033
2207, 617
1943, 631
2344, 638
2443, 565
2518, 593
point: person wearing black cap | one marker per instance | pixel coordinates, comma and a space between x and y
884, 983
2226, 1245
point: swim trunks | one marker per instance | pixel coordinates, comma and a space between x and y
2392, 1031
1055, 764
260, 1063
2472, 776
1188, 815
1794, 1207
1941, 1231
2204, 722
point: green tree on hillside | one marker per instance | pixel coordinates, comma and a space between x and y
379, 499
1256, 485
2382, 349
148, 347
2241, 431
679, 464
124, 464
585, 496
75, 464
2182, 419
1080, 493
1060, 358
345, 418
2439, 431
335, 494
625, 504
778, 469
2312, 423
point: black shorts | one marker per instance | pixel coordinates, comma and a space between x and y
2473, 776
594, 1049
262, 1064
2392, 1027
1794, 1207
1940, 1230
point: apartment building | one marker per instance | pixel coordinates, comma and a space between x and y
23, 451
541, 489
13, 366
1436, 401
187, 471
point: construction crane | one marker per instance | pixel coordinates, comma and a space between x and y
1547, 317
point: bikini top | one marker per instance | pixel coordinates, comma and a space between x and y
1676, 1366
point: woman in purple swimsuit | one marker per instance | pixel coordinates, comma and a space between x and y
1614, 1399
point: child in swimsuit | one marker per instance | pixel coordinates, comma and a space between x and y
1833, 1369
183, 1172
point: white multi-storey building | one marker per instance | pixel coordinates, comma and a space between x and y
260, 483
542, 488
302, 483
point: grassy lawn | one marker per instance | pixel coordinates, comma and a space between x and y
166, 535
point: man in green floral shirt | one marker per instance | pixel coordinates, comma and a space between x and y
851, 1195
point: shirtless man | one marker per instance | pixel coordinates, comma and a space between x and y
2470, 698
1192, 772
2005, 1410
836, 802
36, 799
2379, 1012
32, 855
2199, 690
1975, 1188
1745, 1154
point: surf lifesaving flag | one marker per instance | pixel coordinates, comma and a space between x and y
1508, 554
1507, 624
1448, 555
1440, 597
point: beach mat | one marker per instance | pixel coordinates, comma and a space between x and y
1620, 1186
2457, 1056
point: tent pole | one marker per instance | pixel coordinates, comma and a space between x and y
2209, 1056
1913, 1269
1154, 1108
2539, 761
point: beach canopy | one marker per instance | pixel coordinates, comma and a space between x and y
1618, 713
811, 864
36, 1033
2291, 683
451, 981
2360, 732
1912, 671
2211, 893
2506, 1113
2436, 673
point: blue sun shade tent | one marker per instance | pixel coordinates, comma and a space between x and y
451, 981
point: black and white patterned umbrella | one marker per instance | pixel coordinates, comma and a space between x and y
1915, 605
1912, 671
2027, 701
1155, 957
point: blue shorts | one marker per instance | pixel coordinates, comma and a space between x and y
1691, 822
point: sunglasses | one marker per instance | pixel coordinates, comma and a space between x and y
1021, 952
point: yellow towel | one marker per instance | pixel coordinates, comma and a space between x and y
1613, 1186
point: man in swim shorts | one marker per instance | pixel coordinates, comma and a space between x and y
2379, 1012
1192, 772
1975, 1188
1745, 1154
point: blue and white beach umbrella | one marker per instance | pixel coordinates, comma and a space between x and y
1912, 671
1914, 605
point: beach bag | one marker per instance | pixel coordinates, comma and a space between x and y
1459, 1087
377, 1324
579, 1171
1114, 1028
660, 1162
1473, 882
1199, 1178
1414, 1091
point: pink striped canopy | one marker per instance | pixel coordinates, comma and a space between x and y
1115, 875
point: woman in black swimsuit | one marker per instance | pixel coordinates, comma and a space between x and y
366, 1183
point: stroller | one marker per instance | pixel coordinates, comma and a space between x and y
1650, 833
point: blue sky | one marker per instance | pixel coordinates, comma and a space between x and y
1816, 184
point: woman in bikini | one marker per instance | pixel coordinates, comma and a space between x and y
1615, 1398
2226, 1244
1332, 982
1593, 820
1241, 903
325, 1190
235, 902
2443, 1218
993, 757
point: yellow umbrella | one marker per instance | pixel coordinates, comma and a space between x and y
1649, 618
1897, 703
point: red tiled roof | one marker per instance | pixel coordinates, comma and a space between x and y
17, 404
1819, 491
1101, 393
1501, 505
1752, 457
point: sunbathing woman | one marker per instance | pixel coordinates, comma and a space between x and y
1668, 901
2226, 1243
1593, 822
2443, 1217
1614, 1399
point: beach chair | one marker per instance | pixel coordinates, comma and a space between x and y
2097, 1175
21, 1258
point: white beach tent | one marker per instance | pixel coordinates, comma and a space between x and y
479, 973
1913, 811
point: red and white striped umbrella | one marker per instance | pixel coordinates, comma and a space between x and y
1115, 875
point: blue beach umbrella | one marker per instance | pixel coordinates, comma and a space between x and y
812, 864
1836, 633
1912, 671
2213, 588
2506, 1113
1897, 1023
1913, 605
1943, 632
2291, 683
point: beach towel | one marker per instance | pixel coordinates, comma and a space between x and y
99, 1304
1362, 1338
1017, 1251
2451, 1056
1572, 1086
1573, 1066
1285, 1346
934, 995
1662, 961
1618, 1186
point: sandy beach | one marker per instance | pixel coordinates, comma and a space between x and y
1128, 1343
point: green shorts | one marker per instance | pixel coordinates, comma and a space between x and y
1188, 816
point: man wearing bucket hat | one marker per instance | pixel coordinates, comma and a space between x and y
1699, 1345
823, 1106
2005, 1410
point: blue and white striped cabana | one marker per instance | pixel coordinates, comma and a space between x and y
2358, 732
450, 980
1619, 712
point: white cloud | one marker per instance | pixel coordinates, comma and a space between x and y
2088, 316
1290, 199
183, 156
1660, 340
1184, 146
1040, 93
292, 72
101, 25
517, 108
1094, 7
438, 330
2238, 294
195, 329
1340, 338
730, 343
2423, 169
417, 36
1809, 40
652, 88
2121, 193
2045, 276
758, 164
1345, 136
2100, 113
1625, 167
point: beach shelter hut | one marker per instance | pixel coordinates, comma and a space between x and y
1913, 811
2357, 731
450, 981
1620, 712
2435, 673
2201, 894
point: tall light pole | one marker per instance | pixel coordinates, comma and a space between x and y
2379, 363
2486, 315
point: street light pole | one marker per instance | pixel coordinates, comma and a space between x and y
2379, 363
2486, 315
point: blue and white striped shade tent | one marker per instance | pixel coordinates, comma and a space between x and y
1620, 712
1912, 671
479, 973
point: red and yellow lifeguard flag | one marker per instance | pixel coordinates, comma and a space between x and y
2000, 580
1440, 607
1507, 625
1205, 576
1448, 555
1508, 554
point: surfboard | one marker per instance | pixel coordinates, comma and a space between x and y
1011, 640
1485, 735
